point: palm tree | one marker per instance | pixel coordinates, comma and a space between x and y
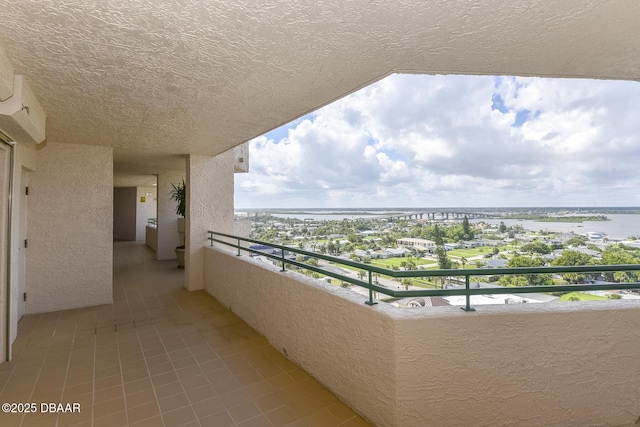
463, 261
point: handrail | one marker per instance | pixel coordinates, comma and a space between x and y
467, 273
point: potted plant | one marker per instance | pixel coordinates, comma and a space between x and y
179, 193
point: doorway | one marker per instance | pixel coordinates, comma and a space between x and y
22, 243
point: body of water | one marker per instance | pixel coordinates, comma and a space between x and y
619, 227
326, 217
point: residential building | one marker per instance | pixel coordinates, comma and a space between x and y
137, 93
422, 245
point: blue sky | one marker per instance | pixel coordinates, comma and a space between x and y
432, 141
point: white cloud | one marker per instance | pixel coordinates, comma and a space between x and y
414, 140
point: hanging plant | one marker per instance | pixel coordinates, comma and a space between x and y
179, 194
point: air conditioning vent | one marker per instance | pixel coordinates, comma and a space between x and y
6, 77
21, 116
5, 138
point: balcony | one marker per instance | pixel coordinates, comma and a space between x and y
568, 364
159, 355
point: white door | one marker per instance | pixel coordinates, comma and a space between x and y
22, 243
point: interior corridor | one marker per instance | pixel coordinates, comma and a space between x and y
158, 355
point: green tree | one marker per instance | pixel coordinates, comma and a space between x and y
463, 260
466, 229
503, 227
569, 257
331, 248
536, 247
526, 279
443, 260
577, 241
615, 255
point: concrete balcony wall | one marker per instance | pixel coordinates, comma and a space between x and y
349, 347
526, 365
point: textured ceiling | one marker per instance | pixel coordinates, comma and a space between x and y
187, 76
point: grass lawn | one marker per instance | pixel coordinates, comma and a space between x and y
583, 297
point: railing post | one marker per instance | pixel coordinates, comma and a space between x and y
282, 253
210, 238
468, 296
238, 254
370, 301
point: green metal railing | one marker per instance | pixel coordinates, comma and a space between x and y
467, 291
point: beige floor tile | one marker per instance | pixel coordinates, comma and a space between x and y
162, 379
143, 412
108, 393
194, 382
322, 418
118, 419
259, 421
174, 402
140, 398
11, 420
341, 411
109, 407
160, 368
219, 419
137, 386
136, 375
235, 398
102, 383
244, 412
179, 417
86, 377
150, 422
206, 407
259, 389
356, 421
283, 416
159, 355
307, 406
201, 393
168, 390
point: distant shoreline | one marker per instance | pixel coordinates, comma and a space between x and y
498, 211
541, 218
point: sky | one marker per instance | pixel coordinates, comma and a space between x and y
455, 141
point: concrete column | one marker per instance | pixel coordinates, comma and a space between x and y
168, 237
209, 207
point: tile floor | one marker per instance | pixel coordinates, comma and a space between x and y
158, 356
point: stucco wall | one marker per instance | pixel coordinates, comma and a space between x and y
145, 210
124, 213
325, 329
568, 364
69, 261
210, 188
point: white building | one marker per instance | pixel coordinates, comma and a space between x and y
421, 245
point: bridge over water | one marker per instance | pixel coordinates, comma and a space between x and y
442, 214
